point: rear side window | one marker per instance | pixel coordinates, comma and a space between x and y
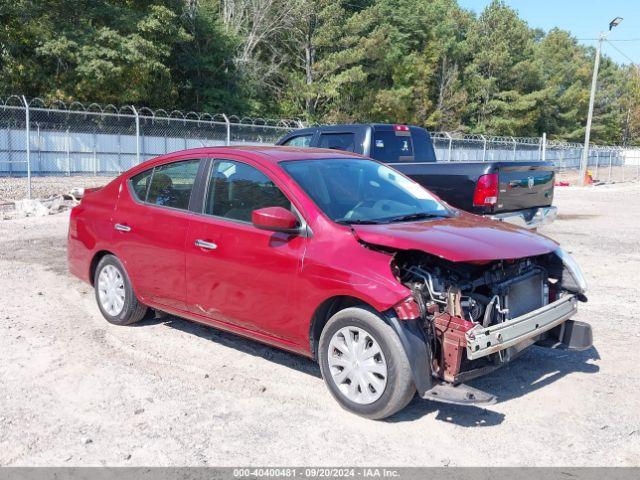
237, 189
299, 141
140, 184
390, 146
338, 141
171, 184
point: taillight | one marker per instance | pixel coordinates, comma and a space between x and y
486, 193
401, 128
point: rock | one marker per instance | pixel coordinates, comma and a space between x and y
127, 456
31, 208
87, 440
56, 205
77, 192
138, 411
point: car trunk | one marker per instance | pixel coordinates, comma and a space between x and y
523, 186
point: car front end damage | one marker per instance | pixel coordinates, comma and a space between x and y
475, 317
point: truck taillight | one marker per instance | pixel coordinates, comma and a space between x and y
486, 192
401, 128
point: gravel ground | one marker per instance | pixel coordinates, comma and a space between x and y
15, 188
626, 174
75, 390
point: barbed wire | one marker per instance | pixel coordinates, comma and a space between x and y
146, 114
75, 107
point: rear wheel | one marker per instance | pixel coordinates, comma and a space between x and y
364, 364
115, 297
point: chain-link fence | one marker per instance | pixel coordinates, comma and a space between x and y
58, 139
607, 164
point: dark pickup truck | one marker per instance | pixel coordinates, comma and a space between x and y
519, 192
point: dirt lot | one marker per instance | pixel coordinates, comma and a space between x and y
75, 390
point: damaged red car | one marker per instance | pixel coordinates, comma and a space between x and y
333, 256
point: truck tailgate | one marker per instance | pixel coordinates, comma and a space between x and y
523, 186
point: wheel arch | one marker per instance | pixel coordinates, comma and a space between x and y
414, 340
94, 263
325, 311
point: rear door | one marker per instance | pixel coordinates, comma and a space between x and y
524, 185
150, 227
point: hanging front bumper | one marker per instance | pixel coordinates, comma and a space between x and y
483, 341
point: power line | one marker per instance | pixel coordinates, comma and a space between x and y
620, 52
615, 40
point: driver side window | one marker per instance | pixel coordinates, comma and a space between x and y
236, 189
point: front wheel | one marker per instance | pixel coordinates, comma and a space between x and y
364, 364
116, 300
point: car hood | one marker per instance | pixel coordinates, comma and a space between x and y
463, 238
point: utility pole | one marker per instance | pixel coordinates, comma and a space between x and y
594, 82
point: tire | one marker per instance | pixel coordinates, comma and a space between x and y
114, 295
374, 398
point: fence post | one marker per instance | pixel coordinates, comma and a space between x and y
39, 148
595, 171
544, 146
450, 140
515, 144
68, 145
135, 112
228, 124
610, 160
95, 158
119, 153
10, 148
484, 148
27, 145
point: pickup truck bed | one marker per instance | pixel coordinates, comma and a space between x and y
521, 185
517, 192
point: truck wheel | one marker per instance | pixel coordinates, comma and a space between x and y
364, 365
114, 294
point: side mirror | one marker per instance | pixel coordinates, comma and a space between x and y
276, 219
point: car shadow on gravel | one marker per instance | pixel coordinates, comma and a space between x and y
536, 368
236, 342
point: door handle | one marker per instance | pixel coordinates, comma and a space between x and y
206, 245
122, 228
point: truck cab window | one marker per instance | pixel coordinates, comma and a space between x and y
338, 141
299, 141
390, 147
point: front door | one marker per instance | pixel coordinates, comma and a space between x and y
236, 272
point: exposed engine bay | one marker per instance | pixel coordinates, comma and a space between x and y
457, 299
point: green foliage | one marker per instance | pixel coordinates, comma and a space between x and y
427, 62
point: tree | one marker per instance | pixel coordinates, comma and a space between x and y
426, 62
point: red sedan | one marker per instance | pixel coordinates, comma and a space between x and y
330, 255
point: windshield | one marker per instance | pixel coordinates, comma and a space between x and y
363, 191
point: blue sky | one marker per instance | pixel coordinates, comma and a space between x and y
584, 19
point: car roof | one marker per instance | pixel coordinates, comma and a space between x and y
268, 153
